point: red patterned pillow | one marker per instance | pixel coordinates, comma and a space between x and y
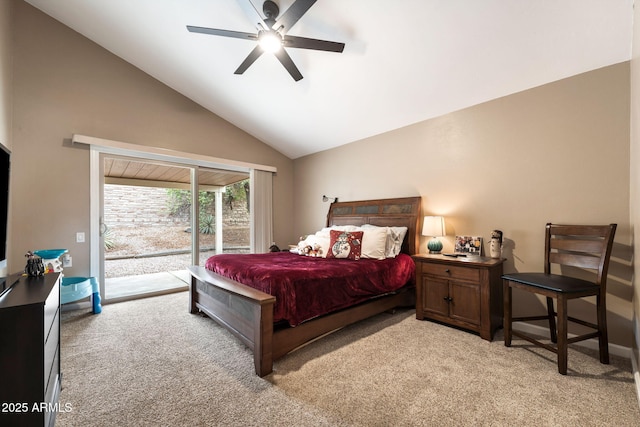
345, 244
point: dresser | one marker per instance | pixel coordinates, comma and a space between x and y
30, 352
465, 292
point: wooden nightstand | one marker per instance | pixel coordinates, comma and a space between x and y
465, 292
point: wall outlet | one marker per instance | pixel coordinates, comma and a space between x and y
79, 237
66, 261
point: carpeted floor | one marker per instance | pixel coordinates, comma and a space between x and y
151, 363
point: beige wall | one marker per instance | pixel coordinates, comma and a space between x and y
65, 84
635, 173
556, 153
5, 73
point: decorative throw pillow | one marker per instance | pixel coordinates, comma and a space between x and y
395, 237
345, 244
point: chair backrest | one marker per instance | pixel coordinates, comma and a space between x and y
583, 246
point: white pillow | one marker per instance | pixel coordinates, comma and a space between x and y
395, 237
374, 243
326, 231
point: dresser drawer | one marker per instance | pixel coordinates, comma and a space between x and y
451, 271
52, 376
51, 347
51, 305
52, 391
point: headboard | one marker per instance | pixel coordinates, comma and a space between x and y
401, 212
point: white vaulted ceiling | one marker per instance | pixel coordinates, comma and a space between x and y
405, 61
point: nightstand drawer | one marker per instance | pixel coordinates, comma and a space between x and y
451, 272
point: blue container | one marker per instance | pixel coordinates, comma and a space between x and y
50, 253
77, 288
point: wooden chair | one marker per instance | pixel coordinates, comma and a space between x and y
582, 246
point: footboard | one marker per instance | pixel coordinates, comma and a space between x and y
244, 311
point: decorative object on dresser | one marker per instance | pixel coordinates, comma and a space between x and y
469, 245
35, 266
433, 226
495, 247
30, 351
582, 248
460, 291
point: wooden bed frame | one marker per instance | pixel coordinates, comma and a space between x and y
248, 313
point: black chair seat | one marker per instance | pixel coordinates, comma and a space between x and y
553, 282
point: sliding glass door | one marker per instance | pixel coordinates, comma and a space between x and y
150, 230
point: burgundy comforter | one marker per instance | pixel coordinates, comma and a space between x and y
307, 287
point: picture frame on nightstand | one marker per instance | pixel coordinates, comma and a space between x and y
471, 245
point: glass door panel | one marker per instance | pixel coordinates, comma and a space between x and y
146, 235
224, 221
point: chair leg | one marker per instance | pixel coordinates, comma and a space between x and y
552, 320
506, 291
603, 338
562, 335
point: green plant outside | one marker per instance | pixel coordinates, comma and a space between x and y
109, 239
180, 200
207, 224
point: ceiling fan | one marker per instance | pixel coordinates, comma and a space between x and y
272, 34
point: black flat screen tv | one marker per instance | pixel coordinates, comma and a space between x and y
5, 172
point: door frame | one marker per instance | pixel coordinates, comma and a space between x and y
100, 147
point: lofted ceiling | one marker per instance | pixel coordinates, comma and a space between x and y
404, 61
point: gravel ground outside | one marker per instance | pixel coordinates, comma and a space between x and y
134, 247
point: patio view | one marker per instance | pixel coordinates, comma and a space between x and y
147, 235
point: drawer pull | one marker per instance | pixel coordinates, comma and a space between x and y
447, 271
448, 299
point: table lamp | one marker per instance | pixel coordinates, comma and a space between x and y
433, 226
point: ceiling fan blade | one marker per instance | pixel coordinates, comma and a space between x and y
289, 18
306, 43
253, 55
225, 33
287, 62
252, 13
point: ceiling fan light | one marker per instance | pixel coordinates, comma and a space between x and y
269, 41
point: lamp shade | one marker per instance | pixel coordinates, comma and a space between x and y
433, 226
